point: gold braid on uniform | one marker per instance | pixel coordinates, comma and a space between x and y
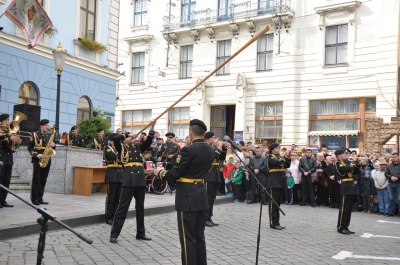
112, 150
38, 143
124, 156
96, 144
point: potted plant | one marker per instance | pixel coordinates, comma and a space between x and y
92, 45
51, 31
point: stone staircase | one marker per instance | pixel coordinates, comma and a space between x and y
18, 185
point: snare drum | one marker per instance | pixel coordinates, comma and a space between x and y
149, 165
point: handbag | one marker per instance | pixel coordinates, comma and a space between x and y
314, 177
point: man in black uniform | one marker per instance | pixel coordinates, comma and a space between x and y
168, 151
113, 179
345, 171
213, 178
100, 141
36, 147
74, 139
192, 164
276, 182
133, 182
6, 156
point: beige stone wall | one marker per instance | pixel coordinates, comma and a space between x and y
379, 133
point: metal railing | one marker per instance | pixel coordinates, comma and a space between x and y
244, 10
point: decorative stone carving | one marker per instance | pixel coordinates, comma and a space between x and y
240, 85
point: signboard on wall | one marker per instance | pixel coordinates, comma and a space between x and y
237, 136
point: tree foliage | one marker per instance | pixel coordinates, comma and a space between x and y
88, 127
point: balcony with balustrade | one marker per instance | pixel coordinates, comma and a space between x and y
234, 13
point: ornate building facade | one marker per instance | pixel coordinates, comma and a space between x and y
323, 68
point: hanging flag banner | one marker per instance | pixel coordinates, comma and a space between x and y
30, 16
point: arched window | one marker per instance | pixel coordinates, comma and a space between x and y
84, 109
28, 94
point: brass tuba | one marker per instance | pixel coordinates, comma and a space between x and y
14, 128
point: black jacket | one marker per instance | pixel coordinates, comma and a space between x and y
276, 174
6, 153
392, 170
75, 140
133, 175
37, 145
307, 165
193, 162
259, 163
346, 170
114, 172
368, 186
215, 173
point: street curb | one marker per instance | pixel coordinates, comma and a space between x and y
30, 228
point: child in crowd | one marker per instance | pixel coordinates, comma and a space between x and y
367, 191
236, 179
228, 167
290, 185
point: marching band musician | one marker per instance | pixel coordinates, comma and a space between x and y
276, 182
36, 147
168, 150
213, 177
133, 183
113, 179
6, 156
74, 139
100, 141
192, 164
345, 171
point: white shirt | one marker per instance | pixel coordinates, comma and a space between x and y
294, 168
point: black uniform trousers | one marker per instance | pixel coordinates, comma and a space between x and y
127, 193
277, 194
345, 212
191, 227
212, 189
112, 199
5, 178
39, 180
307, 189
334, 194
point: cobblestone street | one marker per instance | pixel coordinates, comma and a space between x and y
310, 237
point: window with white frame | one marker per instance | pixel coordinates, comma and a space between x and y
87, 26
187, 9
265, 46
269, 116
186, 60
224, 9
134, 120
178, 122
137, 67
140, 13
223, 53
336, 44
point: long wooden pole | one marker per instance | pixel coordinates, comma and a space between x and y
255, 37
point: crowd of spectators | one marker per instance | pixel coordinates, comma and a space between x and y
377, 179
